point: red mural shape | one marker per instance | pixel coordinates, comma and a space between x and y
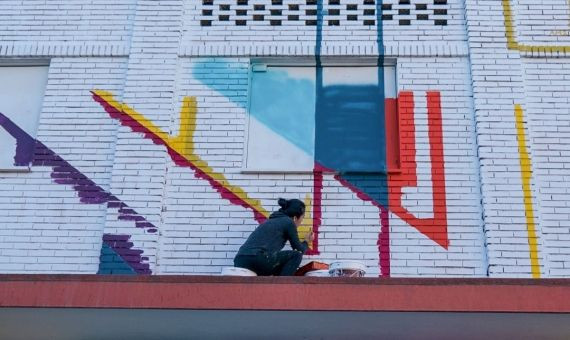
317, 213
176, 157
436, 227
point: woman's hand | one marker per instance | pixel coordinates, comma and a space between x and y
309, 236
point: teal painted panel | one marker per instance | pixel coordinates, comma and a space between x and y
285, 104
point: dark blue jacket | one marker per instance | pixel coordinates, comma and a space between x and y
271, 236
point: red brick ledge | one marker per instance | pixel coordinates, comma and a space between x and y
286, 293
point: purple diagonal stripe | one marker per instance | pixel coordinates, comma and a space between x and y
31, 151
122, 247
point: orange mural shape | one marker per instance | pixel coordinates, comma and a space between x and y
436, 227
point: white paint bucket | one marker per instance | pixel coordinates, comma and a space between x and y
347, 269
235, 271
318, 273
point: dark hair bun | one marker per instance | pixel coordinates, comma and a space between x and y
292, 207
283, 203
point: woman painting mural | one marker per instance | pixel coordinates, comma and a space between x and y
262, 252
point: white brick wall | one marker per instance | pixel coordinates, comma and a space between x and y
548, 91
412, 253
45, 227
139, 169
495, 70
86, 21
401, 24
543, 22
146, 52
498, 85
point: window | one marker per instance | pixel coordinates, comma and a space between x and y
21, 96
334, 117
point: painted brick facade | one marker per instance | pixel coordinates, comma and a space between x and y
139, 159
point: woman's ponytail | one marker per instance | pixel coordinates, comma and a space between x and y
282, 203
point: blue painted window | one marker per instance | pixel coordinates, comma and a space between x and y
332, 116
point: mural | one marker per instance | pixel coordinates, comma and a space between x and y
381, 190
339, 122
345, 125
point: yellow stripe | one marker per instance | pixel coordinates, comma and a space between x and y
509, 28
526, 176
307, 224
183, 143
512, 43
